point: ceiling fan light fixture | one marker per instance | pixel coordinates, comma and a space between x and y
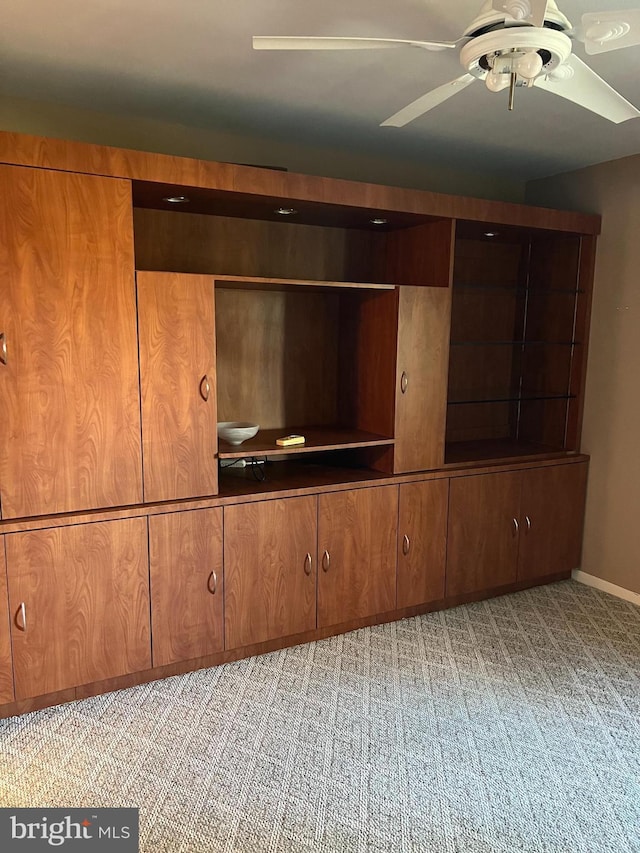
496, 81
529, 65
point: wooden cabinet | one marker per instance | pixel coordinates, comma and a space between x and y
422, 542
357, 536
517, 525
6, 665
421, 377
187, 585
270, 569
482, 542
551, 520
79, 602
178, 382
68, 371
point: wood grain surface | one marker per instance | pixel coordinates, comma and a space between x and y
482, 542
423, 357
270, 582
358, 530
187, 585
6, 663
422, 542
177, 359
70, 398
551, 520
86, 594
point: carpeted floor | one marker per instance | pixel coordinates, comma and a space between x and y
508, 725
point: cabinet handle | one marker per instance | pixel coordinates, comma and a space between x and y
307, 564
406, 545
326, 561
528, 521
3, 348
516, 527
205, 388
404, 381
22, 612
212, 587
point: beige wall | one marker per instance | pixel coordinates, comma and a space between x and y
611, 432
145, 134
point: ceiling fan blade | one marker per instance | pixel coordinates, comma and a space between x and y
339, 43
576, 82
604, 31
531, 11
427, 102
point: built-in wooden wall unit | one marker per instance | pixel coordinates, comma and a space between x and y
430, 348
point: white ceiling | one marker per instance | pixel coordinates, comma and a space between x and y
191, 62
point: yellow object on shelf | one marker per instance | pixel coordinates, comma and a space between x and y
288, 440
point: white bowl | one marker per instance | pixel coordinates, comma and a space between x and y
235, 432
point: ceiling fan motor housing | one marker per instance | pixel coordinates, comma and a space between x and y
479, 55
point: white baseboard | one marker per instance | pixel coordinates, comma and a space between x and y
605, 586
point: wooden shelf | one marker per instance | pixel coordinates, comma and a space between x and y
293, 477
460, 452
259, 283
317, 439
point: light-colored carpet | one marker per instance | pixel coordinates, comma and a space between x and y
508, 725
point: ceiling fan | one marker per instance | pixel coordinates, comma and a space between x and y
511, 44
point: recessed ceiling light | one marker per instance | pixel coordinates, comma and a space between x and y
176, 199
378, 221
490, 233
285, 211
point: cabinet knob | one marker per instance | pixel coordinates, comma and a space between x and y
212, 583
205, 388
406, 545
307, 564
326, 561
3, 348
516, 527
21, 622
528, 523
404, 381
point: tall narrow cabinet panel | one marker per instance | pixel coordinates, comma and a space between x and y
421, 377
357, 535
422, 542
185, 568
6, 665
551, 519
483, 534
79, 601
68, 372
177, 377
270, 570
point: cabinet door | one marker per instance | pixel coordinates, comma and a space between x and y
551, 519
357, 539
177, 377
6, 666
185, 566
422, 542
421, 380
270, 570
79, 600
482, 541
70, 401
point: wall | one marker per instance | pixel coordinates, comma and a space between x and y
144, 134
611, 432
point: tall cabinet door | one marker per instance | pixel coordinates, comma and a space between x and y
421, 380
483, 535
79, 602
270, 570
551, 519
6, 666
68, 365
357, 536
185, 567
177, 377
422, 542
